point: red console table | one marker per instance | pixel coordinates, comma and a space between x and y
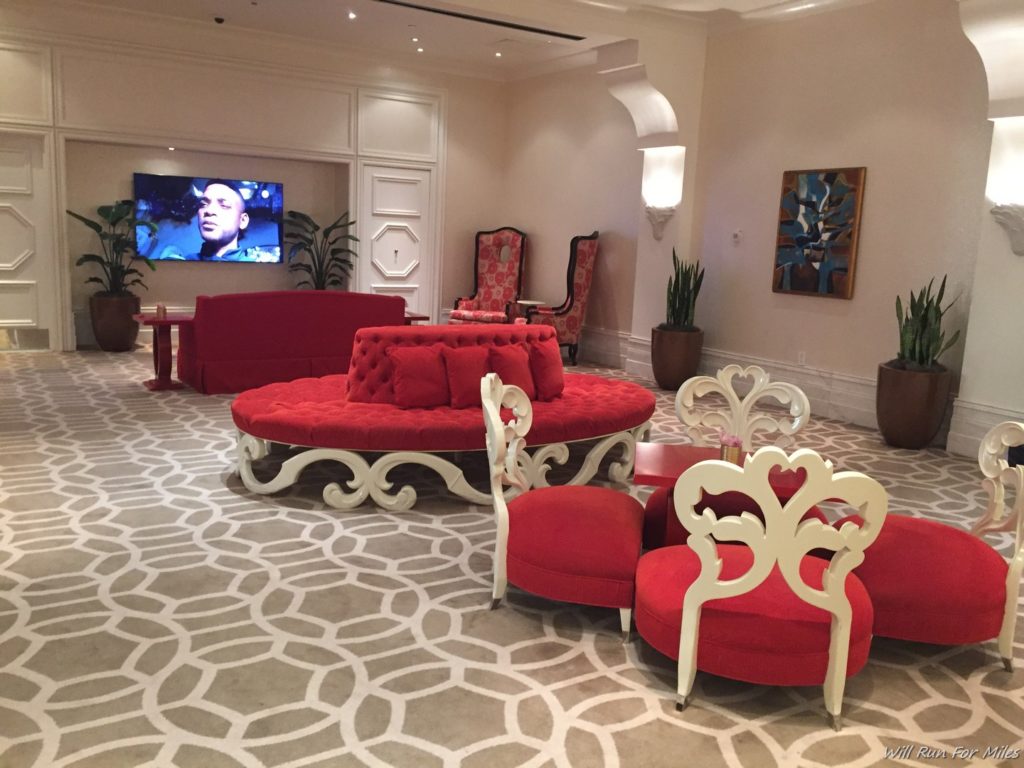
162, 351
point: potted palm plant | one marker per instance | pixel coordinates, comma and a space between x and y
111, 308
329, 255
913, 389
676, 344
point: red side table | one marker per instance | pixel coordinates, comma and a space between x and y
411, 318
661, 464
162, 350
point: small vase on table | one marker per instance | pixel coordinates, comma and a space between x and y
731, 449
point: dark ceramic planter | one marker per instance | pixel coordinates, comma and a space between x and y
112, 323
675, 356
910, 405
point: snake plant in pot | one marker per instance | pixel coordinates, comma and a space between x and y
676, 344
112, 306
913, 389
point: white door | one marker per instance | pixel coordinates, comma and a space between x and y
396, 249
28, 308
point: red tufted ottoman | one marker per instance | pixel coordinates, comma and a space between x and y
341, 417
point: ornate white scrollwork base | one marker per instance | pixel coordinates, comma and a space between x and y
371, 480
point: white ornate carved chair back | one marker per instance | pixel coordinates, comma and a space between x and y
505, 444
741, 419
782, 539
1002, 514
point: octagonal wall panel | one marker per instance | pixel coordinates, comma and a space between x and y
17, 238
395, 250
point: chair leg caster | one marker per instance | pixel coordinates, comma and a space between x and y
835, 721
682, 703
1007, 664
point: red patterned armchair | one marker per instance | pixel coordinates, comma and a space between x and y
567, 318
497, 278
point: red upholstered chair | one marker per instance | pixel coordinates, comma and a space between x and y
933, 583
567, 317
740, 418
497, 278
743, 599
577, 544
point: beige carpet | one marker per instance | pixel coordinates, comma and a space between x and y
155, 613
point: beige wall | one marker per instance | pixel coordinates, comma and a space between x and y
573, 167
893, 86
102, 173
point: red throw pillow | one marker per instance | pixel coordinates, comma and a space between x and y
546, 366
419, 375
512, 364
466, 366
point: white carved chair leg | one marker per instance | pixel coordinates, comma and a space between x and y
626, 622
687, 666
835, 676
1009, 625
500, 583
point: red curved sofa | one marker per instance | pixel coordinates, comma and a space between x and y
357, 411
238, 341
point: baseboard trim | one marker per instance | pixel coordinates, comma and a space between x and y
971, 421
83, 325
604, 346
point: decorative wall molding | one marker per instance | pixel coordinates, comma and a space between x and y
1011, 218
603, 346
381, 208
19, 304
91, 87
26, 90
17, 238
970, 423
396, 124
17, 167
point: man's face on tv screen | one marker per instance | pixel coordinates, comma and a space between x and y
221, 214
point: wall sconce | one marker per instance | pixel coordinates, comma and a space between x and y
1005, 185
1011, 218
662, 186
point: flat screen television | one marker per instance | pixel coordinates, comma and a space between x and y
201, 218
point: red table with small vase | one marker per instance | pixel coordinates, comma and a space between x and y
163, 351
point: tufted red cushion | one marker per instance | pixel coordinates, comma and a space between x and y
767, 636
421, 379
546, 366
315, 412
579, 544
370, 373
512, 364
466, 366
933, 583
662, 527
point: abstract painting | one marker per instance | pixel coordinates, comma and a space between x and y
819, 219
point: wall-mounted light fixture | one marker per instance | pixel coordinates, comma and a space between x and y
1005, 186
662, 185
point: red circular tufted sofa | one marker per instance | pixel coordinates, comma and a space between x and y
340, 417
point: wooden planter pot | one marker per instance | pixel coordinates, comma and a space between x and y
910, 405
675, 356
112, 323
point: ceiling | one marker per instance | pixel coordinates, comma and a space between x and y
448, 42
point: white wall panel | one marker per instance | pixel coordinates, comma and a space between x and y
204, 100
398, 125
16, 171
25, 91
19, 304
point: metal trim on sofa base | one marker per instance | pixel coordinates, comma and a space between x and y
371, 481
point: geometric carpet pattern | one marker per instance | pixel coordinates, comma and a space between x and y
153, 612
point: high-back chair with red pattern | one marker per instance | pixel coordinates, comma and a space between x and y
574, 543
744, 598
567, 317
497, 278
933, 583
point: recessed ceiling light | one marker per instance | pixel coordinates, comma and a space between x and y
419, 50
415, 39
170, 149
497, 54
351, 15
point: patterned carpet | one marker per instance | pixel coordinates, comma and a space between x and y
155, 613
